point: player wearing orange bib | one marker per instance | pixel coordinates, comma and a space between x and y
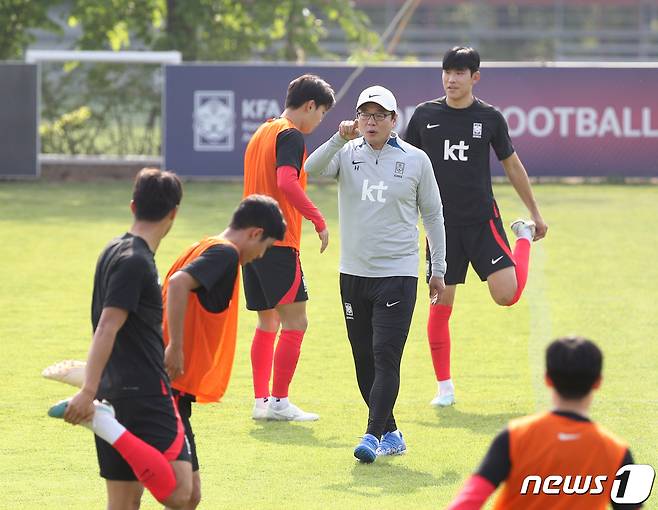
274, 285
200, 296
562, 443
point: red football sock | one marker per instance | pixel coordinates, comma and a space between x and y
150, 466
285, 361
262, 352
522, 260
438, 333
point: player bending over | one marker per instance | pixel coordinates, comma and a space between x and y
200, 296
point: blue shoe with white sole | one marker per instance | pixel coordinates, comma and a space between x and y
366, 450
392, 444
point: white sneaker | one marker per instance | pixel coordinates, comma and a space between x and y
443, 400
260, 410
289, 413
68, 371
523, 228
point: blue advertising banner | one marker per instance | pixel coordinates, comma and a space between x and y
564, 121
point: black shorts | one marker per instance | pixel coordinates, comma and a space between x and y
484, 245
184, 404
276, 279
154, 420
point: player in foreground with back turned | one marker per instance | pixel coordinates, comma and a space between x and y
200, 296
456, 131
139, 435
563, 442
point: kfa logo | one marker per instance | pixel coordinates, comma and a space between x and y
399, 169
632, 484
214, 120
366, 191
449, 151
477, 129
349, 313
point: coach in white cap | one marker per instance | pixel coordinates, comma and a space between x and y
383, 184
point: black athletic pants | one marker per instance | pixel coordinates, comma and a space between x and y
378, 314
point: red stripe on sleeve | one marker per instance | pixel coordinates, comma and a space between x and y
473, 495
287, 181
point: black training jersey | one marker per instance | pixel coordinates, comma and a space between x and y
215, 269
126, 278
290, 149
457, 142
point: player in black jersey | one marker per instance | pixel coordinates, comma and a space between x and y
456, 131
140, 440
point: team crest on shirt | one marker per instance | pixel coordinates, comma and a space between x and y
399, 169
477, 129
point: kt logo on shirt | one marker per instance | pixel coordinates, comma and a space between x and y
460, 149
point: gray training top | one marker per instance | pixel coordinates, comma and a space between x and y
379, 195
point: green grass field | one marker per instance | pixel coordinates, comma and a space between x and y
595, 274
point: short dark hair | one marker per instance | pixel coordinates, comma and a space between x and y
156, 193
574, 365
260, 211
309, 87
461, 57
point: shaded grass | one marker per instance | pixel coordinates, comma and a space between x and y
595, 275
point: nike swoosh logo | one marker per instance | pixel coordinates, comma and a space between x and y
388, 305
568, 437
493, 261
432, 126
373, 95
357, 162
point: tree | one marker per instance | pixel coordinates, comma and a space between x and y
18, 19
103, 108
109, 24
300, 25
221, 29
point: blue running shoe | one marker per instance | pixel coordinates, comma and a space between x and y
392, 444
366, 450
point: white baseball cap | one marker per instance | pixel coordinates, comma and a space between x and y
380, 95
